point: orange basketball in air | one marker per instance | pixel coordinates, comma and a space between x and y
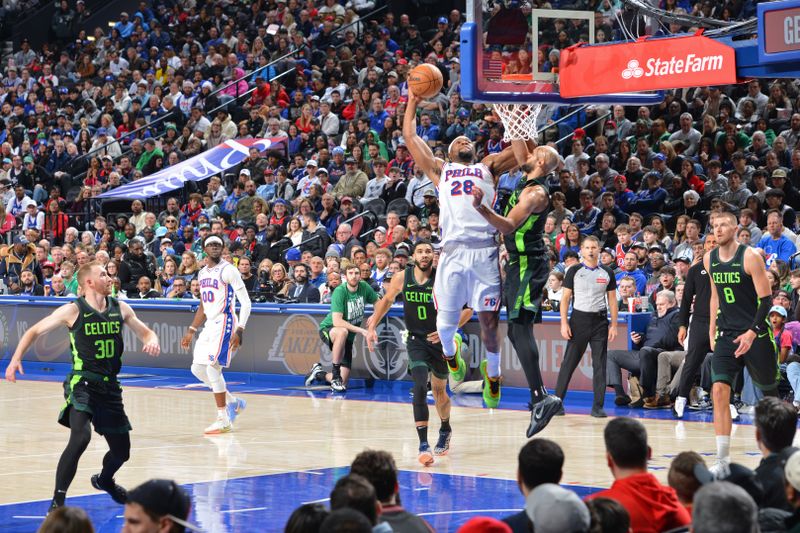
425, 80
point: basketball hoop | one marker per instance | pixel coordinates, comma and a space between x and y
519, 121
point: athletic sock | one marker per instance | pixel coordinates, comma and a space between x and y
724, 448
422, 433
337, 371
537, 395
451, 362
619, 391
445, 425
222, 413
493, 364
59, 496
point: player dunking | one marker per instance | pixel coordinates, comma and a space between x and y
92, 391
220, 285
423, 346
469, 271
741, 335
527, 268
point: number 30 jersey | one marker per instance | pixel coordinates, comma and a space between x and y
459, 220
96, 339
218, 285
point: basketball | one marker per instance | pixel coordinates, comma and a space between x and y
425, 80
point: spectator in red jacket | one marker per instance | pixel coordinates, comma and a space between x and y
652, 506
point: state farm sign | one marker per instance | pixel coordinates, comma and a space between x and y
645, 65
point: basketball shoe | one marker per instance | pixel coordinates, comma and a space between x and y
425, 456
117, 493
443, 444
491, 387
236, 408
221, 425
542, 412
455, 364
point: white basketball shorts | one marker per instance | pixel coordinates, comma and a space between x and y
213, 343
467, 276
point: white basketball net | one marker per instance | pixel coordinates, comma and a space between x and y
519, 120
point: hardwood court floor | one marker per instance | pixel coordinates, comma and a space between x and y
308, 431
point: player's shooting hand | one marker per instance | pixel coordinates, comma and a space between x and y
433, 337
681, 334
152, 349
566, 332
12, 369
745, 342
612, 332
477, 196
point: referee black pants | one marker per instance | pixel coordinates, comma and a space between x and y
587, 329
699, 345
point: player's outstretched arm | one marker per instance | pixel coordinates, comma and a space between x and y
420, 151
64, 316
150, 344
382, 306
199, 317
532, 200
510, 157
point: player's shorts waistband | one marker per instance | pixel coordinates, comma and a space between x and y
92, 376
472, 244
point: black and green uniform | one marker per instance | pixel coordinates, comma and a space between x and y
419, 310
528, 266
97, 344
738, 302
351, 305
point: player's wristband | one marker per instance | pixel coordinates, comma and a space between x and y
760, 323
193, 329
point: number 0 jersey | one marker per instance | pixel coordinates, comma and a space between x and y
419, 307
218, 285
736, 293
459, 220
96, 338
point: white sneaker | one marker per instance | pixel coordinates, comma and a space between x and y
721, 468
734, 413
679, 407
747, 409
220, 425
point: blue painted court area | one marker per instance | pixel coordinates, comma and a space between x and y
264, 503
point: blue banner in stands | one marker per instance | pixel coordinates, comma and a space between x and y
197, 168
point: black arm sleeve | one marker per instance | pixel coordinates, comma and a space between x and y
760, 323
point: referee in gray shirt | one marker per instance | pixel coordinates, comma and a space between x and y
593, 287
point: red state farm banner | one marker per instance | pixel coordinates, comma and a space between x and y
645, 65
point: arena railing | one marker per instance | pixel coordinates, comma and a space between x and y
602, 117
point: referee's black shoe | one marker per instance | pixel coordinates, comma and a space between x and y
542, 412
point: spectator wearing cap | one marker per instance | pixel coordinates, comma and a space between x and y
630, 267
588, 216
774, 199
158, 505
21, 255
651, 199
395, 187
780, 181
652, 507
416, 188
554, 509
462, 126
134, 265
375, 186
353, 183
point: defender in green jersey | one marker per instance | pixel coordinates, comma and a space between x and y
739, 330
92, 392
527, 270
424, 348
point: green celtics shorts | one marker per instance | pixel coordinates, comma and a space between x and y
761, 360
423, 353
101, 399
347, 360
525, 280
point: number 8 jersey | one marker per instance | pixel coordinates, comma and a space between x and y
736, 293
459, 220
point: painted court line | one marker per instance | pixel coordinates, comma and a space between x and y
231, 511
465, 511
321, 500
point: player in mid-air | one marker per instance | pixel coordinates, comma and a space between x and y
422, 344
527, 268
468, 270
739, 329
92, 391
221, 286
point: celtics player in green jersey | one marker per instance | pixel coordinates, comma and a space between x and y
92, 392
740, 332
527, 268
339, 328
424, 348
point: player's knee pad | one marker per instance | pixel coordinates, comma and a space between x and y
200, 373
419, 399
215, 378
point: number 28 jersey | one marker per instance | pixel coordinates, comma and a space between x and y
218, 285
459, 220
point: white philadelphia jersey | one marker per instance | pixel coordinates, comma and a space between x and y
459, 220
217, 289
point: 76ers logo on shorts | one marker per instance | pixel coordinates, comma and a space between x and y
390, 359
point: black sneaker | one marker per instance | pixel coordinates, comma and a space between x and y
337, 385
622, 401
542, 413
597, 412
443, 444
117, 493
561, 412
311, 377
